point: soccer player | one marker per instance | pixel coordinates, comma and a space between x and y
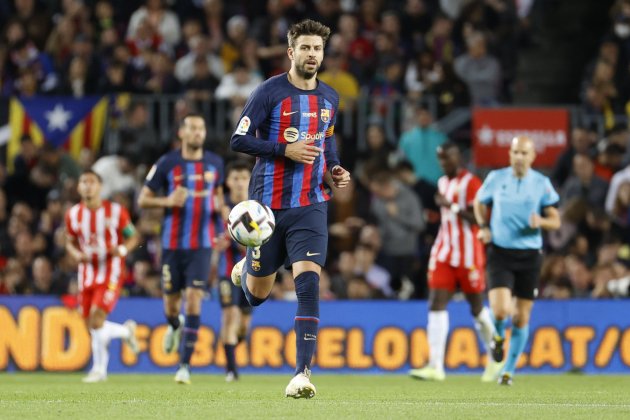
522, 202
99, 237
288, 124
457, 259
235, 310
191, 180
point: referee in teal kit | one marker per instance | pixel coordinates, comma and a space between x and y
522, 202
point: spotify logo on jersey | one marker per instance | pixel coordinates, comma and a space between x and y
291, 134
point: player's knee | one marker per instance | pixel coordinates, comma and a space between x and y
307, 286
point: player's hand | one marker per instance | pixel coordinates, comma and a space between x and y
534, 220
178, 197
221, 243
484, 235
303, 151
441, 201
340, 177
81, 257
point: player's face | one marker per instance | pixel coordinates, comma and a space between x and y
193, 132
307, 55
449, 160
522, 155
89, 187
238, 181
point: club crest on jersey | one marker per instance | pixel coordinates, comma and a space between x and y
208, 176
291, 134
324, 114
243, 126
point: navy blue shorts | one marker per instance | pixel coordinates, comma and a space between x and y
182, 268
301, 234
231, 295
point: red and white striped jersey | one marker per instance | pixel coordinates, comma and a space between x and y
456, 243
97, 231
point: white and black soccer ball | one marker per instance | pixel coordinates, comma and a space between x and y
251, 223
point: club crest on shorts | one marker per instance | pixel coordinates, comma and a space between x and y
324, 114
256, 265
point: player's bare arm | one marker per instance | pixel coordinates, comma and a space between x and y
148, 199
132, 240
550, 221
75, 252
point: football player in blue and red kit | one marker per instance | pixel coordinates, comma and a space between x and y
191, 180
288, 123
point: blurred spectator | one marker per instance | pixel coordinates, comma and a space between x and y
163, 21
162, 79
43, 281
25, 55
449, 90
75, 83
236, 87
202, 85
137, 137
379, 155
35, 19
231, 49
399, 216
580, 144
584, 184
620, 178
199, 48
117, 172
214, 21
419, 144
377, 277
439, 39
480, 71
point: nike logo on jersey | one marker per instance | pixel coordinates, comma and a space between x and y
312, 254
285, 113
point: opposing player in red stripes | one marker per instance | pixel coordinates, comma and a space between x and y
190, 180
457, 261
99, 236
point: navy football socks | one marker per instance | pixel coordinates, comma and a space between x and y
306, 319
230, 357
173, 321
191, 329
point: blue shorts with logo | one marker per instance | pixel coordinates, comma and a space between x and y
231, 295
301, 234
182, 268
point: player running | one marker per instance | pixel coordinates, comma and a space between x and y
99, 237
457, 260
235, 310
288, 124
191, 180
522, 201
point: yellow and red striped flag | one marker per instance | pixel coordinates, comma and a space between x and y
70, 123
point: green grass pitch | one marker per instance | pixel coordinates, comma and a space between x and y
47, 395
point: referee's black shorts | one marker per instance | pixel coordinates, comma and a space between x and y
516, 269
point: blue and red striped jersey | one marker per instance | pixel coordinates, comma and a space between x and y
276, 114
233, 254
188, 227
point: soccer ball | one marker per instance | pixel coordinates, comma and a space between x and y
251, 223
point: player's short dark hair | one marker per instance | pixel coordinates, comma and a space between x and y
307, 27
447, 145
92, 172
191, 115
237, 165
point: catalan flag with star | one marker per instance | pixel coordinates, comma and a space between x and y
70, 123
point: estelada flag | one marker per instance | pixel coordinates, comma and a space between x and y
66, 122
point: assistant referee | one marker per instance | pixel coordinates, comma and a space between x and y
522, 202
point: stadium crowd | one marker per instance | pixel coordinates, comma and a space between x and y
460, 52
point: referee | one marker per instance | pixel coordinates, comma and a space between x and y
522, 202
